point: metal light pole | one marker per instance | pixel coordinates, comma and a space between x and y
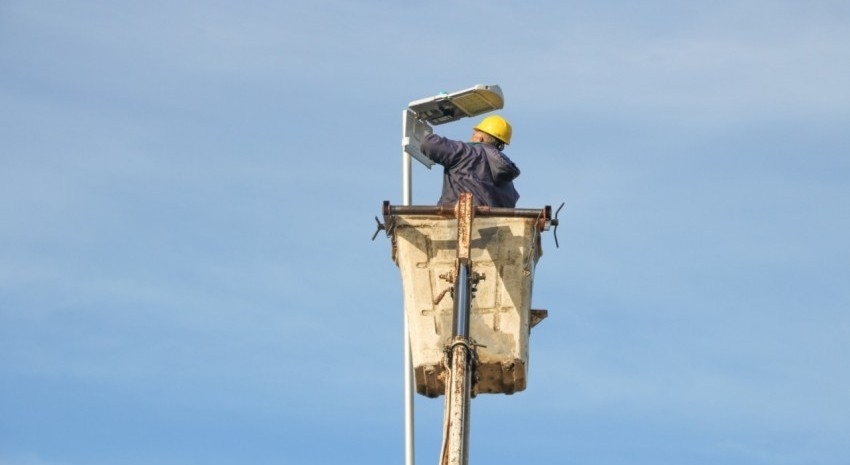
409, 437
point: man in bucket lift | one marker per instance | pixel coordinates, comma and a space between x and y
477, 166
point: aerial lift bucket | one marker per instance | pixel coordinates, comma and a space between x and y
504, 250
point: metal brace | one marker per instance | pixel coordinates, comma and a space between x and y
450, 278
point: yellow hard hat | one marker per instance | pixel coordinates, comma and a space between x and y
497, 127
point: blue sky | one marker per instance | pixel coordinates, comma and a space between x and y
188, 189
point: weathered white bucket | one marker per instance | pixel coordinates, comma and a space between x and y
503, 249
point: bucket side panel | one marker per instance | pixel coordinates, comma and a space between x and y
504, 252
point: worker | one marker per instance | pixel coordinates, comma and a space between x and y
478, 166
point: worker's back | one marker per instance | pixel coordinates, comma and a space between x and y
480, 169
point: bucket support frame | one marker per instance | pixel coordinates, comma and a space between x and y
461, 351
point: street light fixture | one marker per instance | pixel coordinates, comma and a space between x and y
445, 108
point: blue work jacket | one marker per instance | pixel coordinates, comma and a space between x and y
480, 169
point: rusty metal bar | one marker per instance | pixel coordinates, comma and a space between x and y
441, 210
465, 215
542, 215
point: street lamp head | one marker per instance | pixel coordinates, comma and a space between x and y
445, 108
